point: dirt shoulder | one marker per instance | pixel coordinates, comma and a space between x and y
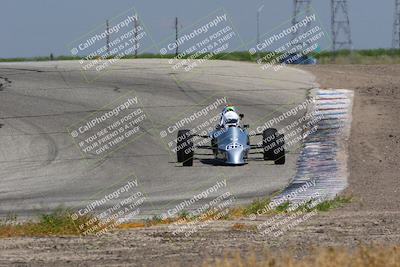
373, 216
375, 135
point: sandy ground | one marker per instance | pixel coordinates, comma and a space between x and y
373, 216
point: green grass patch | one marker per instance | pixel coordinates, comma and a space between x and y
256, 206
335, 203
184, 214
284, 207
261, 205
326, 205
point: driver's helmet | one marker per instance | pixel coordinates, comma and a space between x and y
229, 108
231, 118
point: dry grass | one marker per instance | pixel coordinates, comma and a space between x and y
238, 226
244, 227
325, 257
59, 222
131, 225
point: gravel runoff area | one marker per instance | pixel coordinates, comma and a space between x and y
372, 218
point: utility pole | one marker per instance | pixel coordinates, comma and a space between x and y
302, 8
108, 38
258, 28
176, 36
396, 25
340, 24
136, 25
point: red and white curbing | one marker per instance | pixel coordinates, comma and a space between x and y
322, 170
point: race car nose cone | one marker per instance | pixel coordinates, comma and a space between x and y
235, 156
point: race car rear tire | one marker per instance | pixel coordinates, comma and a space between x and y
273, 146
184, 151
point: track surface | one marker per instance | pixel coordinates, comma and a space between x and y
41, 168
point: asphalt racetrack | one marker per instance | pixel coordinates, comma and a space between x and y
42, 167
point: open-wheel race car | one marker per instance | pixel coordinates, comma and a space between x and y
230, 142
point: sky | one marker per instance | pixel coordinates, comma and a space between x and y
39, 27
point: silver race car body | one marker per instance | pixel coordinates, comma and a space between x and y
230, 143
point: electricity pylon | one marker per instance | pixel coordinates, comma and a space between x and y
396, 25
340, 25
302, 8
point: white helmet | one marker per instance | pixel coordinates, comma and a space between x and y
231, 118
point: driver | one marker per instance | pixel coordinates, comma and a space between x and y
229, 117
